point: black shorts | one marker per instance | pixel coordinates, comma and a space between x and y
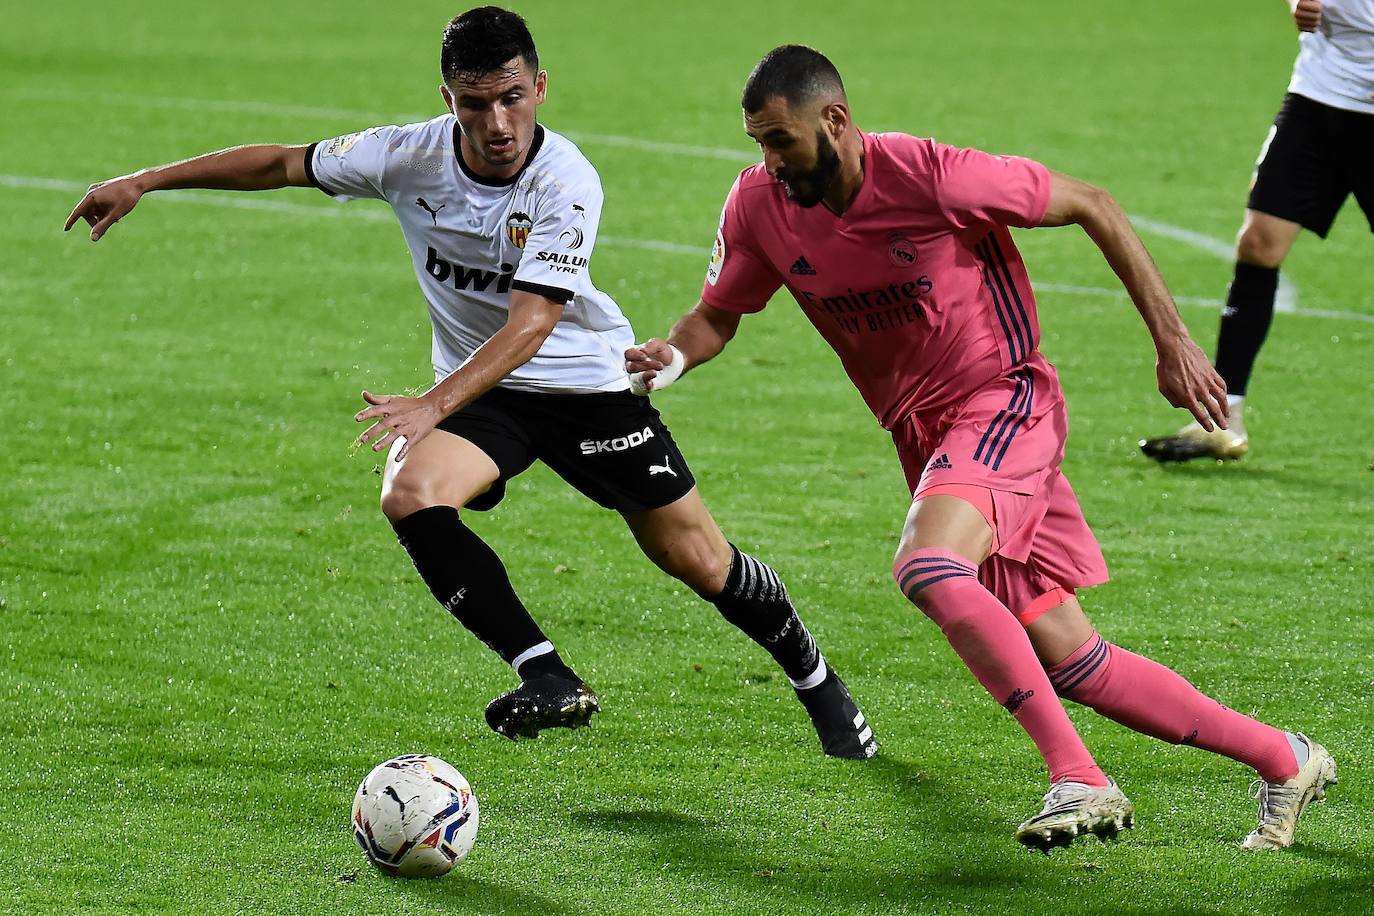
612, 447
1314, 158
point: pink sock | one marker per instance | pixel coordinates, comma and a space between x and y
1145, 696
996, 649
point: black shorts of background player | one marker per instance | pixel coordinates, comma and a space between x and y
1316, 156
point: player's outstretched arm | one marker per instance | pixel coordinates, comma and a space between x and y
697, 337
243, 168
529, 323
1186, 377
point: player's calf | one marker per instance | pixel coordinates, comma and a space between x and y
1152, 699
991, 642
469, 580
755, 600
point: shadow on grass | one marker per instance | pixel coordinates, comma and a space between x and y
1254, 481
822, 874
644, 821
955, 852
461, 893
960, 854
1333, 856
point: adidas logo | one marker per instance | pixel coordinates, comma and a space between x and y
803, 266
941, 463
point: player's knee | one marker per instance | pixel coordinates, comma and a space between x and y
695, 564
406, 494
705, 573
1256, 245
916, 594
954, 618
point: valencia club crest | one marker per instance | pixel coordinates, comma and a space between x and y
518, 228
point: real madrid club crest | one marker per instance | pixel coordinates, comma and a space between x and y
518, 228
901, 250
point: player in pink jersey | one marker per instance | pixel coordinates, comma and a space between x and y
897, 250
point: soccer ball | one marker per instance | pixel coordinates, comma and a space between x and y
415, 817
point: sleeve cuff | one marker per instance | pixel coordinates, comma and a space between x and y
310, 169
736, 308
1042, 200
561, 296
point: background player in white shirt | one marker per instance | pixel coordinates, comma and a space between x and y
1319, 152
501, 217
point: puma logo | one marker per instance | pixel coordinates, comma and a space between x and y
432, 211
664, 468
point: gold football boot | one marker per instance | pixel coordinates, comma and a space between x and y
1192, 441
1073, 809
1282, 803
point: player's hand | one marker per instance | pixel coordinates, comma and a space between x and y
648, 361
1187, 380
398, 418
105, 204
1307, 14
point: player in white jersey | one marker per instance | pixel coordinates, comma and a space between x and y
1319, 152
501, 218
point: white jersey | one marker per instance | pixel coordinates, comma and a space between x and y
475, 239
1335, 64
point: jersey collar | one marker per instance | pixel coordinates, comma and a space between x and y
535, 144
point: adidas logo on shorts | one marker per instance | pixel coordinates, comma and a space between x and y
941, 463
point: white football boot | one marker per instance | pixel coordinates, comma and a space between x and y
1072, 809
1282, 803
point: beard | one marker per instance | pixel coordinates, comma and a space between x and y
809, 188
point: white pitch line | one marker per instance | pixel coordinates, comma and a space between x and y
367, 119
1286, 299
251, 201
239, 200
1119, 293
1201, 301
658, 146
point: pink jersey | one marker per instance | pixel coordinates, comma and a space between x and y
918, 286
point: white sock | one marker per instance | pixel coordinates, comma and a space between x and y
813, 679
1235, 401
534, 651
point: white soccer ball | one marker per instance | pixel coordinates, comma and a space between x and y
415, 817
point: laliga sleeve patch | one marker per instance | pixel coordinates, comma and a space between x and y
340, 145
717, 258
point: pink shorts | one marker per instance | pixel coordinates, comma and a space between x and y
1007, 438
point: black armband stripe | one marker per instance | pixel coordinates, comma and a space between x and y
561, 296
310, 169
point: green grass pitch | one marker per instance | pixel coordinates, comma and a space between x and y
210, 635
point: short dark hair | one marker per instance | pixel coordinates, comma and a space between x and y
483, 40
795, 73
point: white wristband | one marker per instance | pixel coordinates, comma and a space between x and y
665, 377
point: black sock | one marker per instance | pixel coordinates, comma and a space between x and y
1245, 323
471, 583
756, 601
